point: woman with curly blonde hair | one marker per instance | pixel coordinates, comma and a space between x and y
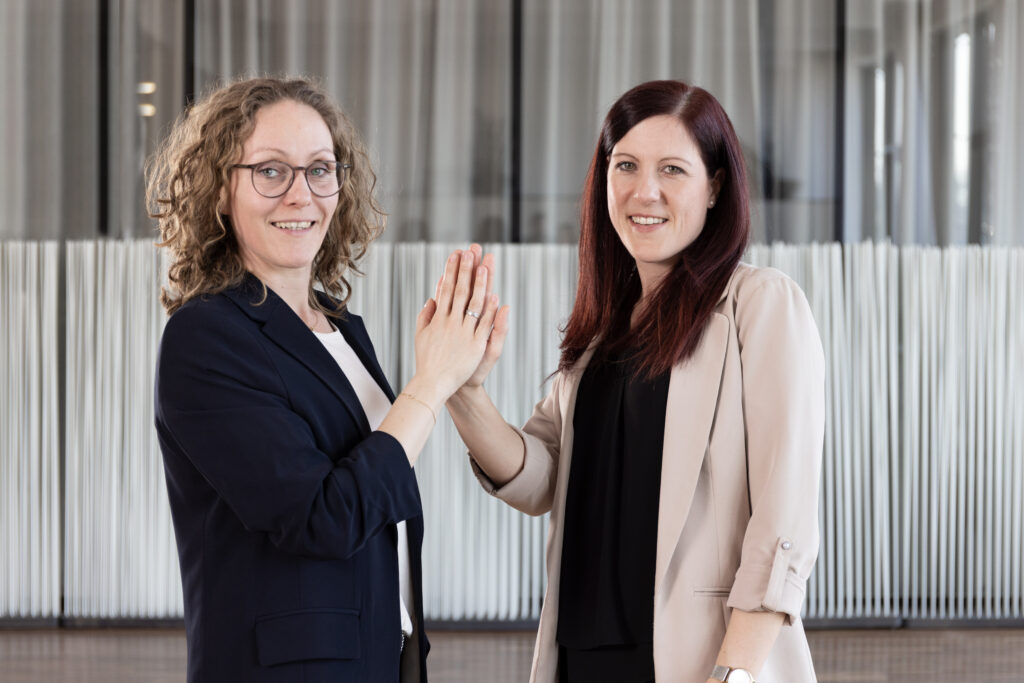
288, 457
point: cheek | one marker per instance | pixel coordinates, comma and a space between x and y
617, 196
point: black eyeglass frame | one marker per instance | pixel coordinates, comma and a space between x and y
340, 171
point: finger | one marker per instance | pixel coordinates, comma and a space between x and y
437, 288
496, 341
488, 263
463, 283
426, 315
451, 269
487, 316
477, 252
479, 298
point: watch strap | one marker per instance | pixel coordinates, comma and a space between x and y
719, 672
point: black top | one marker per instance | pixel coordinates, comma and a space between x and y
606, 599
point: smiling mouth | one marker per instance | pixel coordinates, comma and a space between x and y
647, 220
293, 226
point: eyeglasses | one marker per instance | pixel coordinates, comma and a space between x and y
274, 178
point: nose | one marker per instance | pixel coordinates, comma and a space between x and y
299, 193
648, 189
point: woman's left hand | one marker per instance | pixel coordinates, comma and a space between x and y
496, 339
452, 331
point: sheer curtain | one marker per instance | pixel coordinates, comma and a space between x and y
931, 149
145, 90
771, 64
933, 102
49, 118
426, 83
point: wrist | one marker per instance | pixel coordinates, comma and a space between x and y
427, 390
466, 395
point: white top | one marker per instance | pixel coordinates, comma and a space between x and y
376, 405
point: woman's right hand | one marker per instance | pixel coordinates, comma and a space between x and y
451, 343
496, 340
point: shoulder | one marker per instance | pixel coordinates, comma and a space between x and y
767, 305
760, 286
212, 331
210, 347
204, 316
746, 280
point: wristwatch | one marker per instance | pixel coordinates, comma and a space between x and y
728, 674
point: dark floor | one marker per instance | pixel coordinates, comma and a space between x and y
158, 656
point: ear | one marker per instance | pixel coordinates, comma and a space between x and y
716, 186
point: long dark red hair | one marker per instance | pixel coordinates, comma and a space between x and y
670, 327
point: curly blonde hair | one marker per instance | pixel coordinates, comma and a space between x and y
187, 175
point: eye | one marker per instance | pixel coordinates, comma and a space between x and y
320, 169
671, 169
625, 166
270, 170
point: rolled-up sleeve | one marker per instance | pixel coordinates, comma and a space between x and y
784, 413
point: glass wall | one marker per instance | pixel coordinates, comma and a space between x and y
860, 119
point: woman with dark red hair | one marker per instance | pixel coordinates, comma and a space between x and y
679, 449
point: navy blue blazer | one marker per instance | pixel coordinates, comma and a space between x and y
284, 502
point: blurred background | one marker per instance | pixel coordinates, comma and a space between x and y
861, 119
886, 155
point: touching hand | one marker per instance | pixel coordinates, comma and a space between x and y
452, 330
496, 340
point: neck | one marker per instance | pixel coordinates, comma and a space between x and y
293, 288
650, 276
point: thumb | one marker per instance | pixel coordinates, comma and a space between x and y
497, 339
426, 315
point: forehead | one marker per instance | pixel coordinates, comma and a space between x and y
663, 135
290, 127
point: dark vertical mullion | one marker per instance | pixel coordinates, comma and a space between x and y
840, 117
103, 140
189, 81
516, 126
766, 143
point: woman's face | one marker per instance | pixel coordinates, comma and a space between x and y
658, 193
278, 238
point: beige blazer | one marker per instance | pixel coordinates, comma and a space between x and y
738, 515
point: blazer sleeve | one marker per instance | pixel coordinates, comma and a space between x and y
222, 406
783, 371
532, 491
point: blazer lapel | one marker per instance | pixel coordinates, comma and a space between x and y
689, 414
355, 334
284, 328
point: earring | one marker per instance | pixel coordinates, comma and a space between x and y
711, 204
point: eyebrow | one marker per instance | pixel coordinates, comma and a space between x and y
284, 153
687, 162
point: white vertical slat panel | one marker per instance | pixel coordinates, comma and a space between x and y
483, 560
29, 430
120, 554
921, 512
1015, 419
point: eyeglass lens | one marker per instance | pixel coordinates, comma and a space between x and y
274, 178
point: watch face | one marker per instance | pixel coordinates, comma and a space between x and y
739, 676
